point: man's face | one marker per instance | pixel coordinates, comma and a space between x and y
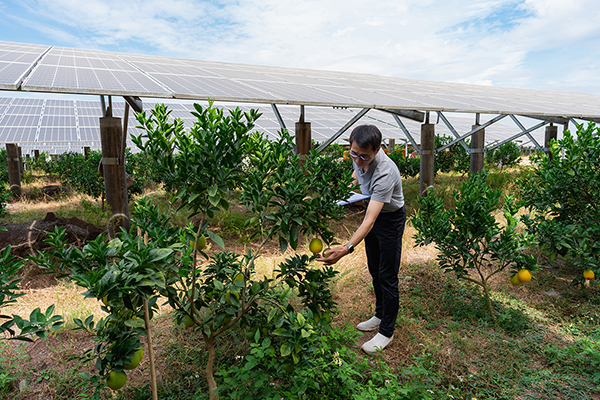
362, 157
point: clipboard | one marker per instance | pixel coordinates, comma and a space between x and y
354, 198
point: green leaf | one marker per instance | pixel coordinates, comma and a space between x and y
212, 191
214, 200
272, 314
135, 323
216, 238
159, 254
280, 332
283, 244
286, 349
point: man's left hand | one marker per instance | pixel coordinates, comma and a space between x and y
333, 255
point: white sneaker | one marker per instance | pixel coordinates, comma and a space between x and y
369, 325
379, 342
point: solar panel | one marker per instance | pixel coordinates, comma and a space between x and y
67, 125
80, 71
90, 72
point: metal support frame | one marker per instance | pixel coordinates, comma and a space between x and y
125, 125
278, 116
594, 120
554, 120
531, 138
135, 103
524, 132
407, 133
106, 111
410, 114
576, 124
461, 138
344, 128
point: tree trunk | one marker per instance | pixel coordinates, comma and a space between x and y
212, 384
488, 299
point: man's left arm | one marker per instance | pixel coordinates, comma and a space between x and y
365, 227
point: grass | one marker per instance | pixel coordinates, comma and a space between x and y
545, 344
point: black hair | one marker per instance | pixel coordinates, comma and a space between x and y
366, 136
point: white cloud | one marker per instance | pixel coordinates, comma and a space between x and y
483, 42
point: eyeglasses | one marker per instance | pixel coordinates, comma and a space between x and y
364, 158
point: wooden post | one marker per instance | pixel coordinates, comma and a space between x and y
303, 139
115, 184
86, 152
36, 154
551, 134
427, 158
19, 151
478, 155
14, 177
391, 145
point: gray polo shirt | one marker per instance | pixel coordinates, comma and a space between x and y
382, 181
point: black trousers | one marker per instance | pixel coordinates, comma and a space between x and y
383, 245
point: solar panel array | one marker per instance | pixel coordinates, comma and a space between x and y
77, 71
58, 126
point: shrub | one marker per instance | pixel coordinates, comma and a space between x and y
4, 196
470, 241
445, 160
505, 156
564, 192
3, 167
408, 167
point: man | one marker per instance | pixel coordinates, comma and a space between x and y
382, 229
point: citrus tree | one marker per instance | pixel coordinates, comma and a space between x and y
504, 156
212, 291
471, 243
564, 194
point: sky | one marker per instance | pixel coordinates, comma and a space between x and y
531, 44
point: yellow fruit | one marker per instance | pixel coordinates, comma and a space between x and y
588, 274
116, 380
135, 359
105, 300
524, 275
316, 245
228, 297
187, 321
515, 280
201, 243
